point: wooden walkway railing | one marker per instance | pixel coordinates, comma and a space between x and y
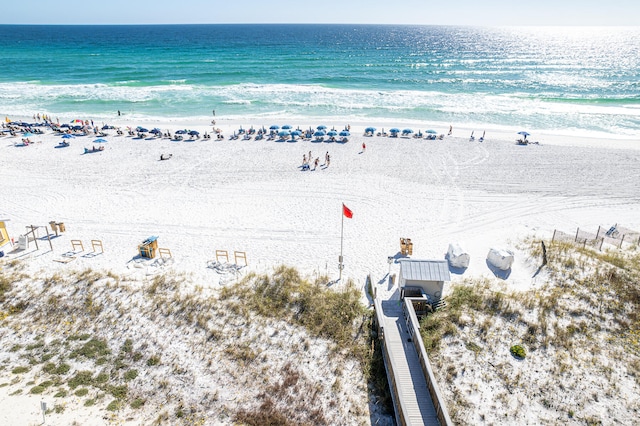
415, 394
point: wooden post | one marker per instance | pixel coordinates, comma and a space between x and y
33, 231
577, 232
544, 253
554, 236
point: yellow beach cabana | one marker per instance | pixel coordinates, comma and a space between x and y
4, 234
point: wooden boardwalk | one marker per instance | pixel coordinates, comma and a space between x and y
412, 398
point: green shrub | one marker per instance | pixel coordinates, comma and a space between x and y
137, 403
153, 360
37, 389
113, 405
518, 351
20, 370
130, 375
60, 394
82, 378
82, 392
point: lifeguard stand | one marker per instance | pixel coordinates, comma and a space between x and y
148, 248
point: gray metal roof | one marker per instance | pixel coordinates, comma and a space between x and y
424, 270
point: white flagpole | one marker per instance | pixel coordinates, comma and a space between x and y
340, 265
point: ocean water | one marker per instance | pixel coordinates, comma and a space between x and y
565, 80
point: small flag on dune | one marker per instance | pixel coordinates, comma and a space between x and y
345, 210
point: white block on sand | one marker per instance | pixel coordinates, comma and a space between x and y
500, 258
457, 257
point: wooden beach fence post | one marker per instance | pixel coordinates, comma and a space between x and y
240, 255
77, 244
222, 253
577, 232
164, 252
97, 244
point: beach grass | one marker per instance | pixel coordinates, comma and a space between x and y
272, 326
580, 326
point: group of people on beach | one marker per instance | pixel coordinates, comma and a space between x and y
306, 161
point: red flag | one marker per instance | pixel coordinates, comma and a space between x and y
345, 210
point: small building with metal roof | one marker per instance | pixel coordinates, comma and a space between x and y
429, 275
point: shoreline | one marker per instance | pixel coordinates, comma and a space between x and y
500, 134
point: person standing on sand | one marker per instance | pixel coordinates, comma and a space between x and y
364, 146
315, 163
450, 129
328, 160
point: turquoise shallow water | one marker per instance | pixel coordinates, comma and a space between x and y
554, 79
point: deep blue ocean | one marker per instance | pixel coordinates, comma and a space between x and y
568, 80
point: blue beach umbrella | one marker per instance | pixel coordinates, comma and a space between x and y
433, 132
370, 129
332, 133
100, 140
285, 132
345, 133
523, 133
319, 133
407, 131
194, 133
274, 127
296, 133
394, 130
181, 132
286, 127
321, 127
67, 136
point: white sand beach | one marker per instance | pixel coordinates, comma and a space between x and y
252, 197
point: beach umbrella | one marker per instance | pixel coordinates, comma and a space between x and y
407, 131
155, 131
394, 130
345, 133
100, 140
296, 133
286, 127
67, 136
332, 133
274, 127
182, 132
433, 132
194, 133
284, 132
370, 129
28, 134
319, 133
321, 127
523, 133
141, 129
